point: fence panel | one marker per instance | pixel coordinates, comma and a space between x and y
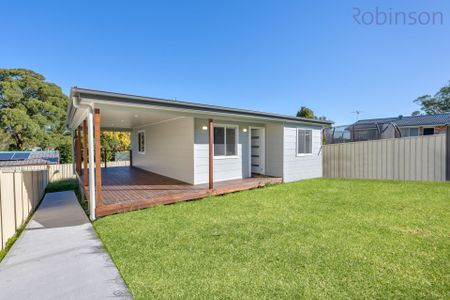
62, 171
20, 193
409, 158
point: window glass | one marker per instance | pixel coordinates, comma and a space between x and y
225, 140
428, 131
308, 141
304, 141
413, 131
141, 142
219, 141
404, 132
231, 141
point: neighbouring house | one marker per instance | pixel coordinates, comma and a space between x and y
28, 158
413, 125
183, 150
384, 128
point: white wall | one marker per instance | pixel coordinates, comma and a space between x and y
169, 149
301, 167
224, 168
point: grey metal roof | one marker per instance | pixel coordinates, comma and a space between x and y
423, 120
125, 98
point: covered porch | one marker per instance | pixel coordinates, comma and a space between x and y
130, 188
174, 144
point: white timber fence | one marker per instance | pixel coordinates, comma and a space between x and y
20, 194
408, 158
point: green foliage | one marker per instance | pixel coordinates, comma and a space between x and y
308, 113
305, 112
114, 141
32, 113
312, 239
437, 104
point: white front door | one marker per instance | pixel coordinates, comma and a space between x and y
257, 150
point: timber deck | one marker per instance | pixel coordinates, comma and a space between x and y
130, 188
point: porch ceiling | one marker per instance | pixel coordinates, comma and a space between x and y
125, 118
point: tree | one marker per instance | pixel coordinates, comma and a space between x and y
308, 113
113, 141
305, 112
437, 104
32, 112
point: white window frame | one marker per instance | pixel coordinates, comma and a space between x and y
139, 141
296, 142
408, 128
225, 126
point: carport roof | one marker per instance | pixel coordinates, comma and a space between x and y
97, 95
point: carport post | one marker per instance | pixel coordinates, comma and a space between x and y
90, 119
211, 155
98, 158
85, 154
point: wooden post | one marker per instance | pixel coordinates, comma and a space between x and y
98, 159
211, 154
85, 155
78, 151
131, 158
104, 156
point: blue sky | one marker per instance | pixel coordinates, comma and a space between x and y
272, 56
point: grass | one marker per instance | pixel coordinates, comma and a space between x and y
10, 242
323, 238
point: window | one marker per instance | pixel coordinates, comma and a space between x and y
409, 132
428, 131
225, 140
304, 141
141, 141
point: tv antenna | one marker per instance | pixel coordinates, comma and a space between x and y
357, 113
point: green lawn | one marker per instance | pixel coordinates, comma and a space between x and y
310, 239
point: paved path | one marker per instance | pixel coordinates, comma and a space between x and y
58, 256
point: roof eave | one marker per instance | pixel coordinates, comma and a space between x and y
124, 98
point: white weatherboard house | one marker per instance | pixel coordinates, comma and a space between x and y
192, 144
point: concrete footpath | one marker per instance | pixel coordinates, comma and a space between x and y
59, 256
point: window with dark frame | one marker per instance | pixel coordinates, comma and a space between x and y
304, 141
225, 140
428, 131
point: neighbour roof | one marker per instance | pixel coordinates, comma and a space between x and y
125, 98
26, 158
423, 120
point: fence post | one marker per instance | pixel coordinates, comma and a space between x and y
447, 156
104, 154
131, 158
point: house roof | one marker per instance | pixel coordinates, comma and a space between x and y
423, 120
191, 106
26, 158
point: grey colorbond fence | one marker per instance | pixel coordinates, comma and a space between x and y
20, 193
409, 158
